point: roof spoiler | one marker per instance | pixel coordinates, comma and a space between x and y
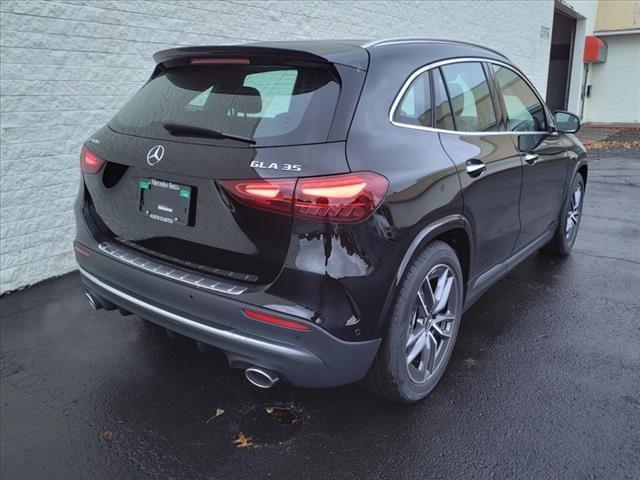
179, 55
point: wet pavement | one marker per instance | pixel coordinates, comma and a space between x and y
544, 383
610, 136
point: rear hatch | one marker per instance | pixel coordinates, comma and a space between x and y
204, 119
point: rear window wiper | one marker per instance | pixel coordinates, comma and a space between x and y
183, 128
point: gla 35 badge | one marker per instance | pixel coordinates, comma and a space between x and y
275, 166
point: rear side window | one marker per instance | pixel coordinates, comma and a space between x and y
275, 105
524, 111
443, 115
415, 106
470, 97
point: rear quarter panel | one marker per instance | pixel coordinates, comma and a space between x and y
424, 187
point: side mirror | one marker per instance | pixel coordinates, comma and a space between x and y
566, 122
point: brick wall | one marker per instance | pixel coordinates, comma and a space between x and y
67, 66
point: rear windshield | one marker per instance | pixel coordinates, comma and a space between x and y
274, 105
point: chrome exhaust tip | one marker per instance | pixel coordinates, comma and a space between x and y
93, 300
261, 377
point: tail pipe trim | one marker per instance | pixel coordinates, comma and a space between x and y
261, 377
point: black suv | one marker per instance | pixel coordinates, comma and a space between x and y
325, 211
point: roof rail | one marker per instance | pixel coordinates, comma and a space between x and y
399, 40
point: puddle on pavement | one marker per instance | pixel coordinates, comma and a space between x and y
267, 424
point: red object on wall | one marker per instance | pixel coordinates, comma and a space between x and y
595, 49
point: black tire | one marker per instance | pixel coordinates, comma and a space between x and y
561, 243
389, 375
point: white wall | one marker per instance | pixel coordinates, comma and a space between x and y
585, 13
615, 84
67, 66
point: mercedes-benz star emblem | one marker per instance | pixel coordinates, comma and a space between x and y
155, 155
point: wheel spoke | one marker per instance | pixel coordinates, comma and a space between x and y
424, 303
569, 225
443, 317
439, 324
418, 346
442, 292
430, 352
577, 195
441, 331
415, 334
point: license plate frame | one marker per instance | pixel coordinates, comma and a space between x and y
166, 202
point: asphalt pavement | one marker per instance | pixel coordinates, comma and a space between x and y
544, 383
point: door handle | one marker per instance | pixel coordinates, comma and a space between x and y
531, 158
475, 168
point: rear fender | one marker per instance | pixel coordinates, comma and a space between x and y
426, 235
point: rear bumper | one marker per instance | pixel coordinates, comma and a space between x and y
313, 358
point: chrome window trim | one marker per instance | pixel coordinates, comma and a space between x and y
425, 68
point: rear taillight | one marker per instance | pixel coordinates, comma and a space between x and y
274, 194
90, 162
348, 198
339, 198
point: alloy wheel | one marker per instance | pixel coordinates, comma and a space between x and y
573, 214
432, 323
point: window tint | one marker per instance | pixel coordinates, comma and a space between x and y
415, 106
470, 97
443, 116
276, 105
524, 110
276, 89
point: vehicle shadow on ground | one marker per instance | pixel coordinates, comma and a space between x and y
190, 391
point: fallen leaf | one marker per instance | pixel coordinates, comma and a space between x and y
108, 436
219, 412
470, 362
286, 416
276, 412
613, 144
242, 441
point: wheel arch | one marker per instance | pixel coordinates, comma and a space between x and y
458, 239
579, 168
455, 230
583, 169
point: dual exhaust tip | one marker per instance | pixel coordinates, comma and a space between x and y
258, 376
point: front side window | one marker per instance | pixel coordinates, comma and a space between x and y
415, 106
470, 97
524, 111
